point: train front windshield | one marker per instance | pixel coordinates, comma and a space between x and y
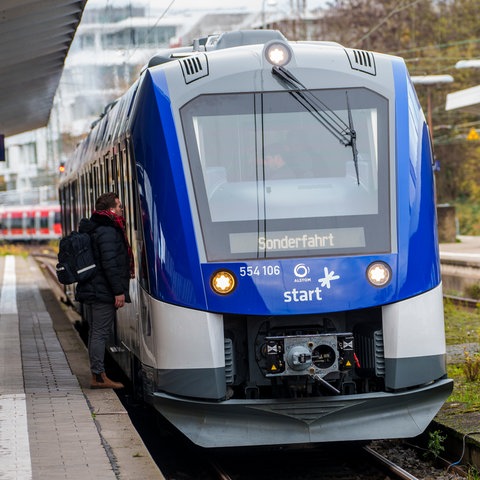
275, 177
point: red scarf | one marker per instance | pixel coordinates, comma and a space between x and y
119, 221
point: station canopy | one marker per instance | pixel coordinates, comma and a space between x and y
35, 36
467, 100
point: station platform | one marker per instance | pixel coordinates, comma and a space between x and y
460, 265
52, 426
465, 249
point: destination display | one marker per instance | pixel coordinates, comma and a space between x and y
288, 241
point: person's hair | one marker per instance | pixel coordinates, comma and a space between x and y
106, 201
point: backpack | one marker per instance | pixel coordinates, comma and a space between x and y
76, 262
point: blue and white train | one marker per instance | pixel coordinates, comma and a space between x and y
280, 203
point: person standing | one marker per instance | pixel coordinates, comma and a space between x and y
108, 290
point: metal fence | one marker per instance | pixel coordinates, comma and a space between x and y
32, 196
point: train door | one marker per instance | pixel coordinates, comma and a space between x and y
144, 346
126, 325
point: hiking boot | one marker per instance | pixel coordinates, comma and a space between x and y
100, 380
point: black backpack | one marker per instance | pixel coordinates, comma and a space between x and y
76, 261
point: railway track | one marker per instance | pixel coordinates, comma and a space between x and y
47, 262
321, 463
468, 303
395, 471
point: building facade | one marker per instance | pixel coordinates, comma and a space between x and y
110, 48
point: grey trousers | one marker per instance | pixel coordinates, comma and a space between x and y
100, 317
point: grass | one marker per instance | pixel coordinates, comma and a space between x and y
24, 249
465, 396
12, 249
468, 215
462, 327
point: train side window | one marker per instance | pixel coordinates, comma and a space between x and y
44, 221
111, 174
86, 202
88, 205
121, 179
124, 193
118, 161
127, 197
76, 213
102, 172
65, 207
113, 184
82, 193
123, 198
95, 184
106, 166
130, 186
16, 222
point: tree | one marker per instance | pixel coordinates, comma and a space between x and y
420, 31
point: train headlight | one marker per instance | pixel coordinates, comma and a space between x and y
379, 274
277, 53
223, 282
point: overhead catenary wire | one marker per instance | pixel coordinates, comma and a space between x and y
396, 10
150, 30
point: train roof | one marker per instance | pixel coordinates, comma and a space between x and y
216, 41
220, 41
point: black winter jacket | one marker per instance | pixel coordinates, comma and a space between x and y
113, 266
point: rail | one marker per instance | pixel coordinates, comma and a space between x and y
394, 469
469, 303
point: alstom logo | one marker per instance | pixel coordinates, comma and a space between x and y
301, 271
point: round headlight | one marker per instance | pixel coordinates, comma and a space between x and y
223, 282
278, 53
379, 274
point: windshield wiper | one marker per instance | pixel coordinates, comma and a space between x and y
344, 133
353, 138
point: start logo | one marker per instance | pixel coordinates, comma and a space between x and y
295, 295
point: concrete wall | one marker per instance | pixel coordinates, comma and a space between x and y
458, 275
447, 225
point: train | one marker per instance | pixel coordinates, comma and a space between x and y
267, 310
30, 223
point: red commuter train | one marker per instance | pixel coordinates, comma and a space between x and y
35, 223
